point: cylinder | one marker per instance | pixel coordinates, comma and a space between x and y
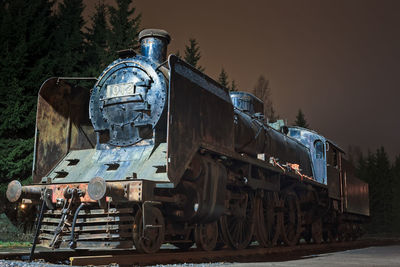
154, 44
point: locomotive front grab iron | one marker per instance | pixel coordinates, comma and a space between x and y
159, 152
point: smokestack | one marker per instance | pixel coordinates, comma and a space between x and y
154, 44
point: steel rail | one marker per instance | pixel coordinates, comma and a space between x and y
252, 254
170, 256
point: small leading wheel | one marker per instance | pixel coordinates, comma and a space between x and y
237, 228
148, 240
268, 220
206, 236
291, 222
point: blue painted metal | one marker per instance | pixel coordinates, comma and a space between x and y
154, 44
247, 102
317, 145
128, 101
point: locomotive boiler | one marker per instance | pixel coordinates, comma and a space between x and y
158, 152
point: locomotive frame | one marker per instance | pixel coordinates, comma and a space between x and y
170, 158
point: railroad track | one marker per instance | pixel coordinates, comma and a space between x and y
171, 256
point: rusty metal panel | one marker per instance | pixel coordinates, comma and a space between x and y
208, 119
62, 124
333, 182
356, 199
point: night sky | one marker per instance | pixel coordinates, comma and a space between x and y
339, 61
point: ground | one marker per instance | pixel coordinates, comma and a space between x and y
372, 256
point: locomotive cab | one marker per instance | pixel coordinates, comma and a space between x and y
317, 145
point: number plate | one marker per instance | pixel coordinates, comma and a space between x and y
120, 89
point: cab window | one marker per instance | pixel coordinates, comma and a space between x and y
319, 149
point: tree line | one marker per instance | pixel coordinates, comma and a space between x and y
383, 177
40, 39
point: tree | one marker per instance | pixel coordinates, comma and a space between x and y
354, 154
384, 187
385, 183
24, 45
192, 54
97, 52
68, 39
233, 86
263, 92
125, 26
301, 120
396, 194
25, 42
223, 78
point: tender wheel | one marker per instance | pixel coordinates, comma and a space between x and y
148, 240
237, 228
329, 234
355, 232
343, 232
206, 236
316, 231
268, 220
291, 223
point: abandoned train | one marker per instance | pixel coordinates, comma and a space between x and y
157, 152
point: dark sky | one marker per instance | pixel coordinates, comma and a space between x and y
339, 61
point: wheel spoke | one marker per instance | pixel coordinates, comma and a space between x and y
267, 221
237, 229
291, 219
206, 236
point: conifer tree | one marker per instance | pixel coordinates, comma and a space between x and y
125, 26
223, 78
301, 120
263, 92
192, 54
384, 184
233, 86
68, 39
97, 53
396, 194
24, 45
384, 188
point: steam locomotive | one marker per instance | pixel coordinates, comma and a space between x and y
158, 152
